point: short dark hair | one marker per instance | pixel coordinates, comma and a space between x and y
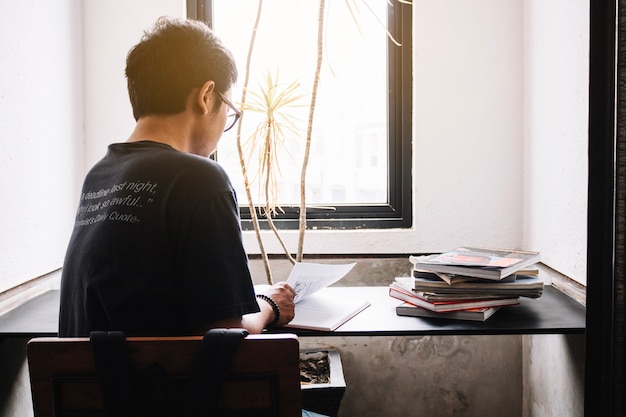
174, 57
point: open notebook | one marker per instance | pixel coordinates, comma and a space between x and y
324, 311
316, 309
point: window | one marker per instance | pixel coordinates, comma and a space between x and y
359, 171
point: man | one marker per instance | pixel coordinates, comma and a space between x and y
156, 248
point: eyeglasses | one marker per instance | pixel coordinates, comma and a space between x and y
233, 113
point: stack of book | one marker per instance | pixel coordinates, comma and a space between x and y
467, 283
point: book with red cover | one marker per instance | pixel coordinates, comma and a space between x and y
397, 291
475, 314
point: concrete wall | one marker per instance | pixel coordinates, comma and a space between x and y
429, 376
553, 368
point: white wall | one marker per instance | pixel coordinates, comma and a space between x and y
108, 114
556, 74
55, 122
41, 132
467, 134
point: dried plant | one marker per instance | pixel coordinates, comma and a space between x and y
274, 102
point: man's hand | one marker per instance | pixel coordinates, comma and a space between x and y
283, 295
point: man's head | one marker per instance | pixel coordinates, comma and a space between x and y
172, 59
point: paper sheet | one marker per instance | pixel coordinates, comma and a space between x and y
306, 278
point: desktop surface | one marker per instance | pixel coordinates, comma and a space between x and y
552, 313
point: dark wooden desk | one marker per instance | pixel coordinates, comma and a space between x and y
552, 313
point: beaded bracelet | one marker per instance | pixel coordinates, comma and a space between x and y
274, 307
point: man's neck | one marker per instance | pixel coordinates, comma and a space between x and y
171, 130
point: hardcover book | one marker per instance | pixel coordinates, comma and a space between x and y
494, 264
396, 291
477, 314
522, 286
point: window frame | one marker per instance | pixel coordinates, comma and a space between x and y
397, 213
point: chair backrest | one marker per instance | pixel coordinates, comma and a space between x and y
264, 378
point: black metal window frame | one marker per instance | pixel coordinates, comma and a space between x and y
397, 213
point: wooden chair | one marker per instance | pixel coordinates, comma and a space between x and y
264, 377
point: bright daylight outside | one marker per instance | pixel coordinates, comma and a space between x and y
348, 155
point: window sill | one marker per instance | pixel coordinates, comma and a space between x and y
16, 296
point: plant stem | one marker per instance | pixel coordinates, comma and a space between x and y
268, 206
244, 169
307, 148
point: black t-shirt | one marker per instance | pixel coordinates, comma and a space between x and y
156, 248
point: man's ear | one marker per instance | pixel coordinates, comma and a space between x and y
205, 97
